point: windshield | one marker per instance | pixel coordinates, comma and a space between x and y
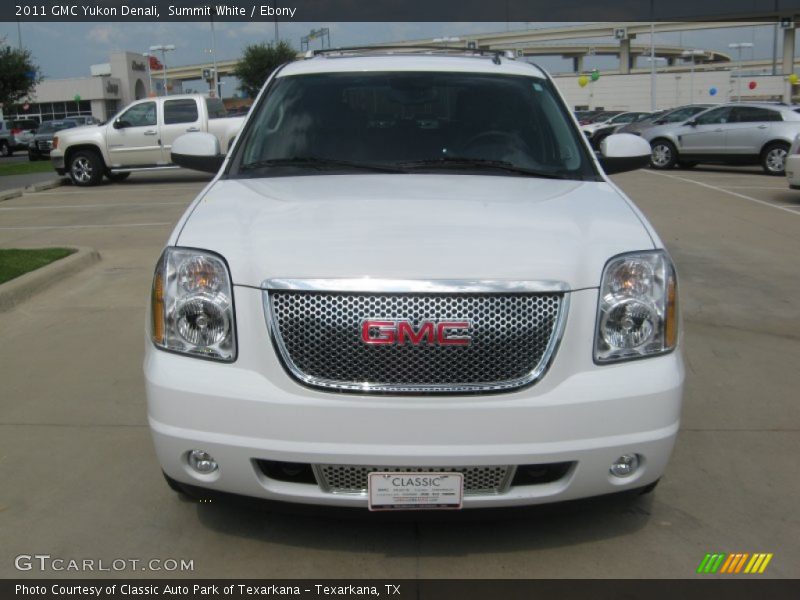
411, 122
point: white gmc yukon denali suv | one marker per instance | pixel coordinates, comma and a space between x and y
412, 285
139, 138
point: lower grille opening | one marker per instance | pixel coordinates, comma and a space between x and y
540, 474
287, 471
352, 479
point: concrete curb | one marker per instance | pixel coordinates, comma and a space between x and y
46, 185
35, 187
12, 193
23, 287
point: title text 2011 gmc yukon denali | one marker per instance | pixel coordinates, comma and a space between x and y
411, 285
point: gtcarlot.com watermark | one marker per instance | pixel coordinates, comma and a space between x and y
46, 562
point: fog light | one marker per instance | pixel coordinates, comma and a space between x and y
202, 462
625, 465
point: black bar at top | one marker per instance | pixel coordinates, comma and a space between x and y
318, 11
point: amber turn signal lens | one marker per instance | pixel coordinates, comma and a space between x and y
671, 325
157, 307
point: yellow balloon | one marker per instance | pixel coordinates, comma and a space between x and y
793, 78
583, 80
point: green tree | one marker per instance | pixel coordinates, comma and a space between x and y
258, 62
18, 74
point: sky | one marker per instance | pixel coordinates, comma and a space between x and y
65, 50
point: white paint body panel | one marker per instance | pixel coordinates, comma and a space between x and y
430, 226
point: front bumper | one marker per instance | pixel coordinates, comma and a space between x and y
252, 410
57, 159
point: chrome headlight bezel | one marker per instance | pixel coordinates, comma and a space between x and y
647, 281
170, 298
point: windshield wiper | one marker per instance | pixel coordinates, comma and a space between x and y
451, 162
319, 162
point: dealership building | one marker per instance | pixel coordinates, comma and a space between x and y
109, 87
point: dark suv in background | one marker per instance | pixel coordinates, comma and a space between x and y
42, 142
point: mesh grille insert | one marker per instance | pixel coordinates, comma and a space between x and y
353, 478
319, 336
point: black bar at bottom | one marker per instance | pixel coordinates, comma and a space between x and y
733, 588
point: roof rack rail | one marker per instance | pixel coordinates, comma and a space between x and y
495, 55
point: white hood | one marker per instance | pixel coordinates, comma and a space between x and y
419, 226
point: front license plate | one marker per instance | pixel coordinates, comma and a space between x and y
415, 491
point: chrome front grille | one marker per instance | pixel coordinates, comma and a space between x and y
319, 337
45, 145
352, 479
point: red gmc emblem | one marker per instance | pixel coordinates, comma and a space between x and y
401, 331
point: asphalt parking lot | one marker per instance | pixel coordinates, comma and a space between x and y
80, 479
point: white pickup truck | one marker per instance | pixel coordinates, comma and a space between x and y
139, 137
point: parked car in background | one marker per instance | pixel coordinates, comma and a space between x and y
42, 142
736, 134
673, 115
585, 115
597, 132
599, 116
84, 120
139, 137
15, 134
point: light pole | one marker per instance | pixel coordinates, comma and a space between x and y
214, 59
163, 49
652, 64
653, 60
692, 54
147, 55
738, 46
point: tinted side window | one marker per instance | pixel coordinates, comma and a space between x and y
753, 114
679, 115
715, 117
140, 115
216, 109
180, 111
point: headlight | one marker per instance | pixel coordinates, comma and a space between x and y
637, 308
192, 305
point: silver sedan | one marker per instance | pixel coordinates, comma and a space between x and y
738, 134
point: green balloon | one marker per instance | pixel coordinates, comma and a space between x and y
595, 75
77, 98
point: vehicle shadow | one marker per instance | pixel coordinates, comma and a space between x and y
437, 533
155, 177
741, 170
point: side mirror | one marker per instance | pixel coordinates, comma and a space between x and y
197, 151
692, 123
622, 152
120, 124
659, 121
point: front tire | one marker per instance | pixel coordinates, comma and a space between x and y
86, 168
773, 158
663, 155
33, 157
